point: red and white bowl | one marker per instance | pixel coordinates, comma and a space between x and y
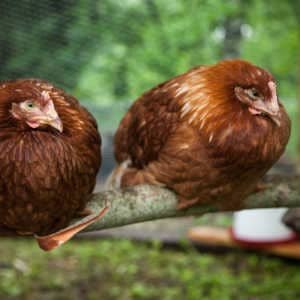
261, 227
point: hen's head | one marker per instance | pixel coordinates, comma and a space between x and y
37, 112
252, 86
30, 105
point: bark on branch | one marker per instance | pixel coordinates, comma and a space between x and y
144, 203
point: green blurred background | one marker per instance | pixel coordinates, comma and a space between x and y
106, 53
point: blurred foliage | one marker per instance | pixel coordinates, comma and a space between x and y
113, 50
172, 38
107, 51
274, 41
126, 270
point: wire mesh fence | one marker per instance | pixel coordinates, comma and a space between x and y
119, 48
107, 51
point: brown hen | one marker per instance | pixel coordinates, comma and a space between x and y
209, 134
49, 156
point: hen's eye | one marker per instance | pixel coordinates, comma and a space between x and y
30, 105
254, 93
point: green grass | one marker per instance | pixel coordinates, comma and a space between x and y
122, 270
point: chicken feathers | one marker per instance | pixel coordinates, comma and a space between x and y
49, 156
209, 134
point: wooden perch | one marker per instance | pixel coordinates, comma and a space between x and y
144, 203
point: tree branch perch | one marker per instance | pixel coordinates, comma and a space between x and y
144, 203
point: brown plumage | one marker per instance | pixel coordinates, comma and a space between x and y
209, 134
49, 156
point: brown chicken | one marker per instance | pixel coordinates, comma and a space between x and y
49, 156
209, 134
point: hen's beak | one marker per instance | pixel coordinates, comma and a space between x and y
267, 110
51, 117
272, 108
46, 120
264, 111
275, 117
56, 123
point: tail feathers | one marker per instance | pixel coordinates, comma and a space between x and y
114, 180
124, 175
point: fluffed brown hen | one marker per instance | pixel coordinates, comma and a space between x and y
49, 156
209, 134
